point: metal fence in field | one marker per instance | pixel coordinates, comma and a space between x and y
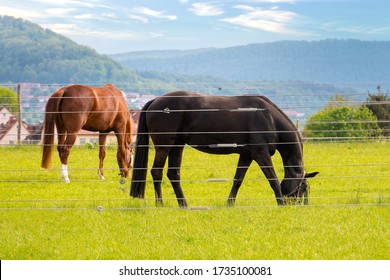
22, 123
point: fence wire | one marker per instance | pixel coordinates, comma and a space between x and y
287, 101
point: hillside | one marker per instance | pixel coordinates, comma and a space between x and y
29, 53
319, 61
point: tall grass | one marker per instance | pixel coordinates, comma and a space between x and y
44, 218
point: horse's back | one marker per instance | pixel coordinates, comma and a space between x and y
93, 108
229, 111
205, 121
85, 93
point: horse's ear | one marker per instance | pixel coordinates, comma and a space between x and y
311, 175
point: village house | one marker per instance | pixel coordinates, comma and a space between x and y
5, 114
9, 128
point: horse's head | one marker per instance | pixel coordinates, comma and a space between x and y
125, 157
294, 188
126, 163
128, 160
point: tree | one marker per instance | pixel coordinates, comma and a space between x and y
340, 120
379, 105
9, 99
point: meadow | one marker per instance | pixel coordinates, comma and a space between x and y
348, 217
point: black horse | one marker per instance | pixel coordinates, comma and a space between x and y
251, 126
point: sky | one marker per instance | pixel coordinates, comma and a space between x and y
118, 26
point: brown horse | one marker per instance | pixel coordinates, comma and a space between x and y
76, 107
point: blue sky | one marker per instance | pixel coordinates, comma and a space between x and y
120, 25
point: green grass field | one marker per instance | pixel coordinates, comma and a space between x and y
44, 218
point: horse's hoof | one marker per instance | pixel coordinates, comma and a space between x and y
159, 203
231, 202
66, 180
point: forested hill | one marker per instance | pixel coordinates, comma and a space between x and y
29, 53
318, 61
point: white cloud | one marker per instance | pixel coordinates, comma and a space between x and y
37, 14
271, 20
343, 27
59, 12
73, 30
22, 13
205, 9
274, 1
153, 13
63, 28
87, 4
139, 18
86, 16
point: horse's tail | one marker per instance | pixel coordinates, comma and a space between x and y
48, 132
140, 165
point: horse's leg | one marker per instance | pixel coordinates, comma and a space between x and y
243, 164
174, 163
157, 172
61, 139
264, 160
102, 153
64, 151
121, 154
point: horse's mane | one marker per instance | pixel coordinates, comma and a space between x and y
285, 119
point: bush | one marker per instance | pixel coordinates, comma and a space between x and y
338, 120
380, 106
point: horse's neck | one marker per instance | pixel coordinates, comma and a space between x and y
290, 148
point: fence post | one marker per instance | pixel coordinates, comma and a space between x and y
19, 115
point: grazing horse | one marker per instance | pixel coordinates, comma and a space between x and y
251, 126
76, 107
